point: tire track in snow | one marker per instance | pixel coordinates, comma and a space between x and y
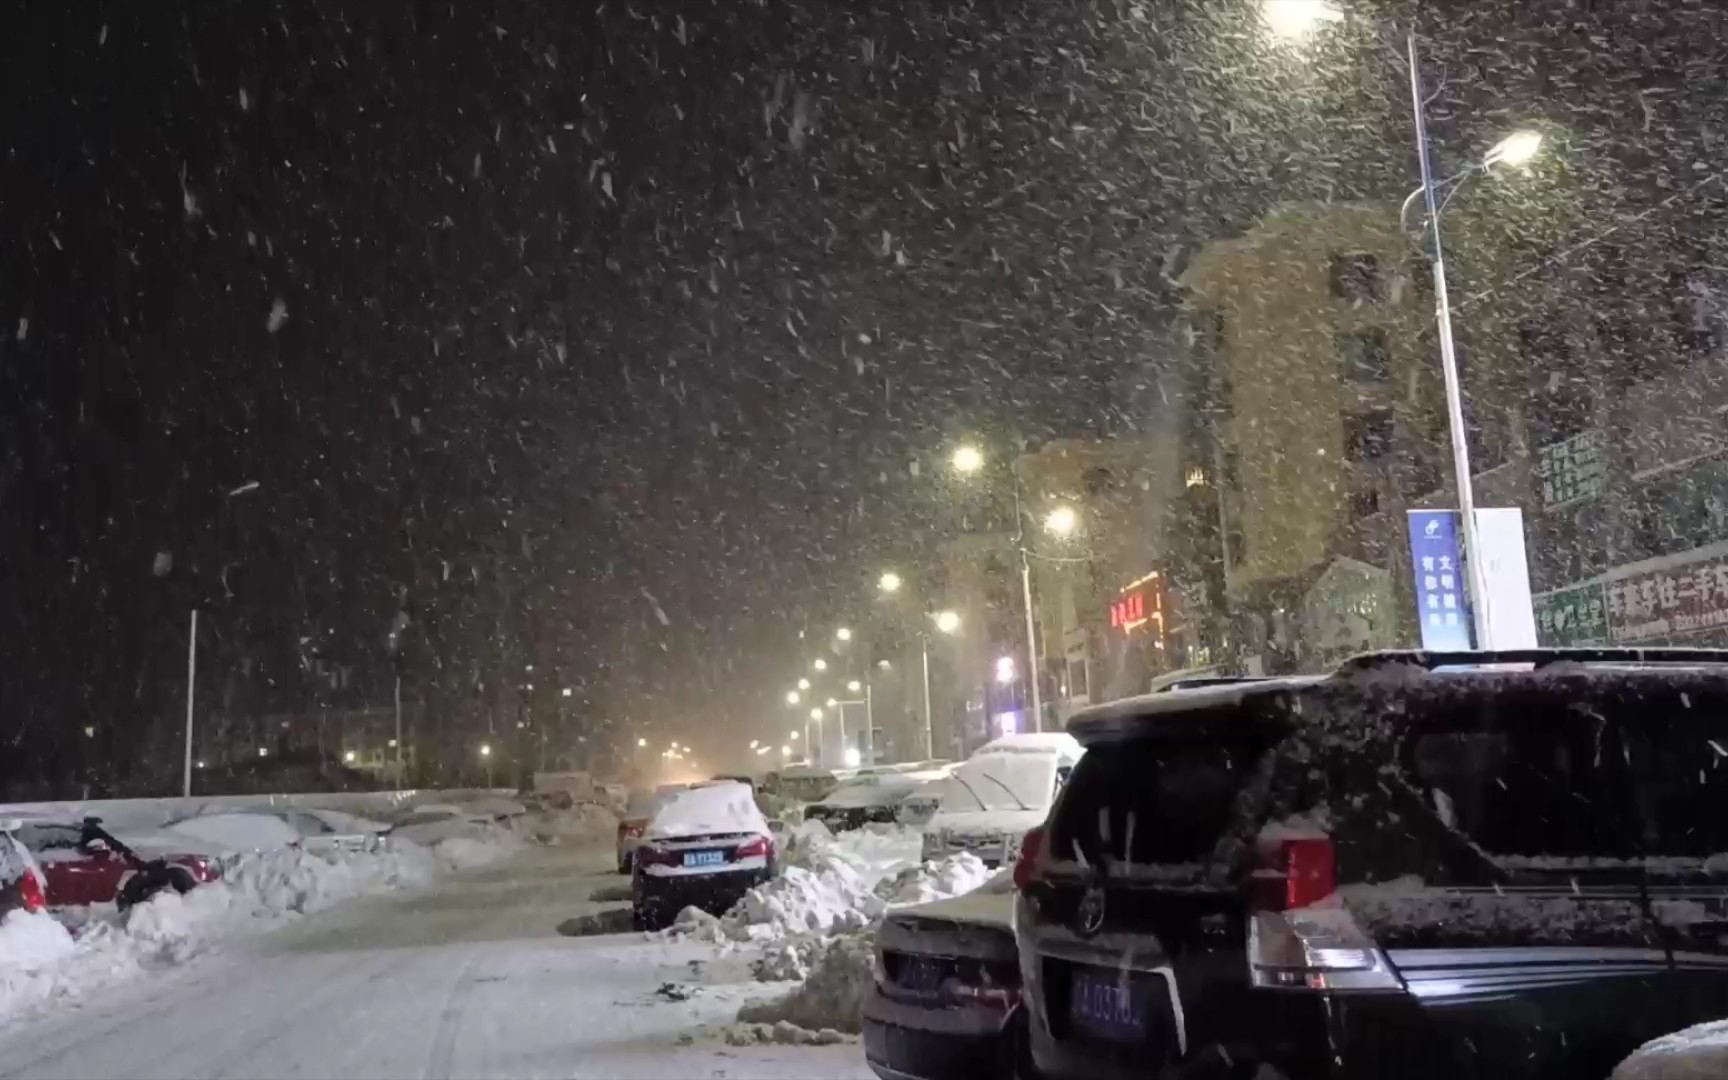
449, 1020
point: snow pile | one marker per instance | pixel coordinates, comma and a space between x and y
833, 995
1697, 1053
583, 825
780, 1034
801, 901
40, 960
30, 944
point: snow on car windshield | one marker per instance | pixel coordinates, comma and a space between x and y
1001, 782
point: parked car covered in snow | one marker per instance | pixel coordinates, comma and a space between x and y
866, 799
273, 828
22, 887
945, 992
705, 846
1426, 865
999, 794
82, 863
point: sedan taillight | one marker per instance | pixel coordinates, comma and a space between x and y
31, 893
648, 855
754, 848
1026, 866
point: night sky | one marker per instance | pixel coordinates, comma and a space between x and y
525, 323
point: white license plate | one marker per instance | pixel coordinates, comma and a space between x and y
704, 858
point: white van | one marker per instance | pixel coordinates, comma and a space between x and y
1000, 793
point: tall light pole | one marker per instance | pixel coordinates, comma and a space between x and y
948, 622
1515, 149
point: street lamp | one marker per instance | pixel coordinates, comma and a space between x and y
1062, 521
889, 582
348, 756
843, 634
641, 743
854, 686
820, 664
803, 684
1005, 670
793, 735
967, 459
485, 750
566, 691
948, 622
792, 697
816, 714
1516, 149
1293, 20
833, 702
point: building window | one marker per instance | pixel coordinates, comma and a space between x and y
1364, 356
1364, 503
1355, 277
1368, 437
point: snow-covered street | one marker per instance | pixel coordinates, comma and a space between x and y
466, 978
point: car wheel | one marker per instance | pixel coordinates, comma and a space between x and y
152, 880
625, 863
648, 914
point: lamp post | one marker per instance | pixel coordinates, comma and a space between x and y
948, 622
1513, 150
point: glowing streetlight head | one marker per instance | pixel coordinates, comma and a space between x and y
566, 691
889, 582
820, 664
854, 686
1005, 669
853, 757
1061, 521
948, 621
263, 751
843, 634
832, 702
793, 735
815, 714
641, 743
1292, 20
753, 743
347, 755
1515, 149
792, 697
485, 749
785, 751
967, 459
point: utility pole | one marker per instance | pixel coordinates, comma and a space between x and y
869, 726
1032, 664
1475, 570
929, 729
191, 690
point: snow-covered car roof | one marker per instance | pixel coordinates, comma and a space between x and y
711, 808
1059, 743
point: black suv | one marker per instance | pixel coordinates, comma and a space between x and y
1469, 865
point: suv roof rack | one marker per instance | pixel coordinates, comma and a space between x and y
1190, 682
1538, 658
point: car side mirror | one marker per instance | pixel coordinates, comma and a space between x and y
97, 849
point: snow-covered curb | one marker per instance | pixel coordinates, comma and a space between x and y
42, 961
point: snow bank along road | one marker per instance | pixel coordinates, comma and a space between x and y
469, 978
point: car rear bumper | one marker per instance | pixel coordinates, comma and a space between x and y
908, 1051
713, 893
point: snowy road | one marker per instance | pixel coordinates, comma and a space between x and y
470, 980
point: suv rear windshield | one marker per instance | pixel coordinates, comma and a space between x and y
1636, 767
1158, 801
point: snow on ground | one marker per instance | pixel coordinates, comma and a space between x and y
469, 978
257, 892
1697, 1053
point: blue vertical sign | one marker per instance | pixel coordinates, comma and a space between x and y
1442, 601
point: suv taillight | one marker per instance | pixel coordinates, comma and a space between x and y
30, 892
1026, 866
755, 847
1301, 936
1294, 873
